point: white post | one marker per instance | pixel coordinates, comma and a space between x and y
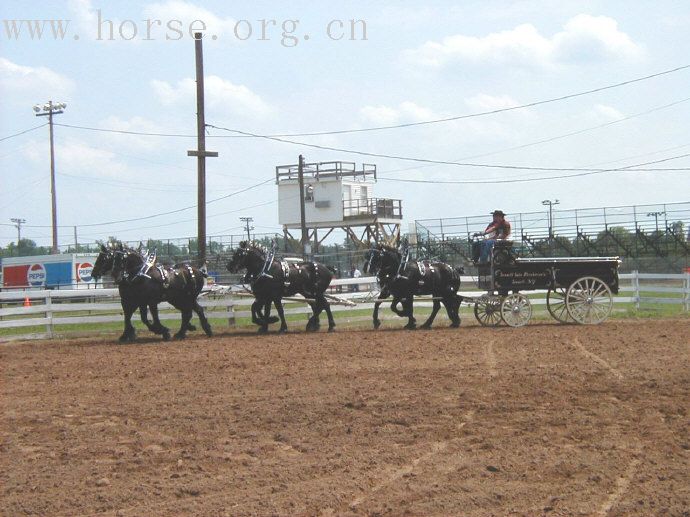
49, 314
636, 288
686, 296
231, 315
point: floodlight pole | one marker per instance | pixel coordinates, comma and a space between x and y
550, 204
201, 153
656, 218
49, 110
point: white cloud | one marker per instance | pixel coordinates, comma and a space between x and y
221, 94
84, 15
484, 102
187, 12
77, 157
33, 82
583, 38
179, 13
386, 115
136, 124
607, 113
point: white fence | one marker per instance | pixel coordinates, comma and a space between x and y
54, 308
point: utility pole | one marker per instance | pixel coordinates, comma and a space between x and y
76, 242
550, 204
201, 153
304, 241
246, 221
18, 224
656, 215
48, 110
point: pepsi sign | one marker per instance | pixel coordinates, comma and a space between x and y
36, 275
84, 271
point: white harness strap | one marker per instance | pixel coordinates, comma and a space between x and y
286, 272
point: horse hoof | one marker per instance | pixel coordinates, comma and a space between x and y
425, 327
179, 336
262, 330
282, 330
455, 325
166, 336
411, 326
377, 324
273, 319
331, 329
191, 327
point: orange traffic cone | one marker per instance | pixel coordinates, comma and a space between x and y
27, 302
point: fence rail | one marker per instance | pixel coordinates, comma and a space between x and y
58, 307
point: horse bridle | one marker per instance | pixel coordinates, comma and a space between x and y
123, 274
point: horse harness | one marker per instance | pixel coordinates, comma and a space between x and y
165, 273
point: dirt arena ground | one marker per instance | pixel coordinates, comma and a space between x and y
542, 420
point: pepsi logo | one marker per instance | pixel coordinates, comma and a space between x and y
84, 271
36, 275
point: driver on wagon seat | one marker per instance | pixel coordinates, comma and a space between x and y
498, 229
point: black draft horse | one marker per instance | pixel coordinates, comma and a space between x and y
270, 282
415, 278
179, 285
103, 266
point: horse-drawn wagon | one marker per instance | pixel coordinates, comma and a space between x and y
578, 289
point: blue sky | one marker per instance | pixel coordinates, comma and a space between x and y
420, 61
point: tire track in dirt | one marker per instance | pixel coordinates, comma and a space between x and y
594, 357
399, 473
622, 484
490, 358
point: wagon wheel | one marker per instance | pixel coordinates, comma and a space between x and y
555, 303
488, 312
589, 300
516, 310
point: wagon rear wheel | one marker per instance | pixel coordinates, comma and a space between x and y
516, 310
488, 312
555, 303
589, 300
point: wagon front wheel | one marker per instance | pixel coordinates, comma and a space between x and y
516, 310
589, 300
488, 312
555, 303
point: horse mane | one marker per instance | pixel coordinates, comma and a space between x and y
253, 245
391, 249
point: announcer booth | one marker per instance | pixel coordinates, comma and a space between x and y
66, 271
337, 195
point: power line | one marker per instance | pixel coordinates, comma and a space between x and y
550, 139
630, 168
234, 211
395, 126
422, 160
22, 132
143, 218
491, 112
